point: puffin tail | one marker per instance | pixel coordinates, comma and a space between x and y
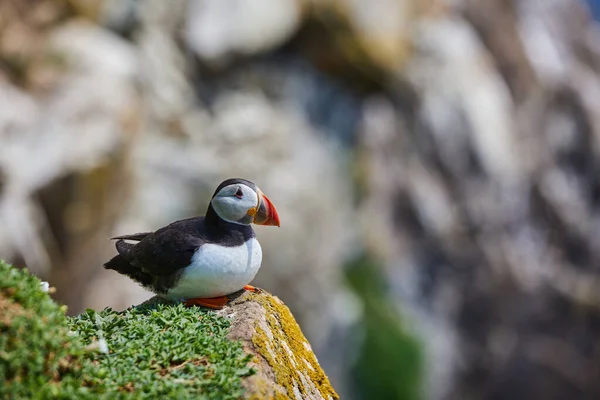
121, 264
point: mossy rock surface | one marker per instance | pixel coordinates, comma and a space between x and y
286, 366
253, 348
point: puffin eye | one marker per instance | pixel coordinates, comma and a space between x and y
239, 194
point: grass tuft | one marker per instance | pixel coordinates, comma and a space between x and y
162, 350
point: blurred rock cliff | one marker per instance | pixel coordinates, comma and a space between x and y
454, 144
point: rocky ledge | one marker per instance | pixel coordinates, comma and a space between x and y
252, 348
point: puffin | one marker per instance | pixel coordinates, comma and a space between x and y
201, 260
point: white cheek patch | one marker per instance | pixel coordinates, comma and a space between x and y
233, 209
225, 209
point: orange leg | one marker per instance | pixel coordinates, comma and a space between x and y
251, 288
216, 303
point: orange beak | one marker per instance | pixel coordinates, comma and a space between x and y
266, 214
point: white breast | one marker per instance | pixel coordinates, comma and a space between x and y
218, 271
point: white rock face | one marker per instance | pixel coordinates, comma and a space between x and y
73, 128
217, 30
454, 69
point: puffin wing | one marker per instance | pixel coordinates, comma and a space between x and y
162, 254
167, 250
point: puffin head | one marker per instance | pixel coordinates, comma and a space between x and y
241, 202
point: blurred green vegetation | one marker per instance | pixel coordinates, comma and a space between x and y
390, 360
158, 351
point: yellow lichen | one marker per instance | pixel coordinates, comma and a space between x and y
260, 390
291, 369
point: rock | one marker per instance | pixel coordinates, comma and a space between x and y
285, 361
217, 30
72, 129
484, 190
381, 27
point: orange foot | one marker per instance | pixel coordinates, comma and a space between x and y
216, 303
251, 288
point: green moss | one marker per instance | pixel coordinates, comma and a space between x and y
168, 351
390, 361
287, 351
37, 357
155, 351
